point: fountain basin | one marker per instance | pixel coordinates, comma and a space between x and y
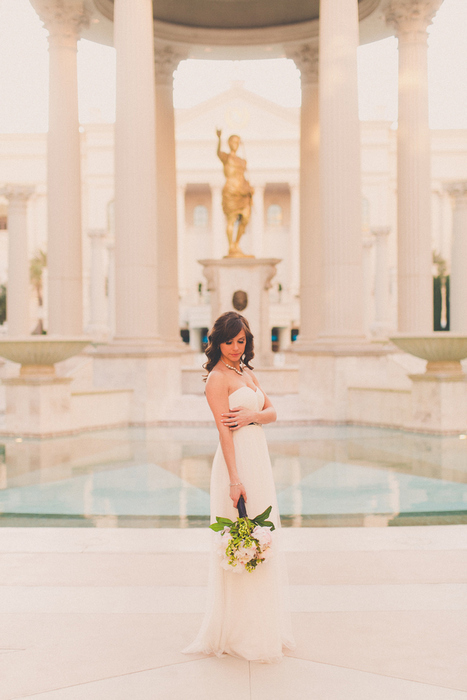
443, 351
38, 355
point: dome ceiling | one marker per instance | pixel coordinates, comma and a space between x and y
235, 29
231, 14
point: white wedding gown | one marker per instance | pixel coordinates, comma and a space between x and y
247, 614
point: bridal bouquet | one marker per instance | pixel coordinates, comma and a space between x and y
244, 543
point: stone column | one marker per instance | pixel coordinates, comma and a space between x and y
311, 253
368, 282
218, 224
340, 172
136, 271
166, 61
98, 318
18, 296
294, 249
64, 257
415, 283
380, 325
181, 224
258, 221
111, 287
458, 277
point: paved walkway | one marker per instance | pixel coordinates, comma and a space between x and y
101, 614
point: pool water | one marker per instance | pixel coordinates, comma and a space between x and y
159, 477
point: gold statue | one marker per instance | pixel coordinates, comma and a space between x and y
237, 194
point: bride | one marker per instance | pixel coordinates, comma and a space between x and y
247, 615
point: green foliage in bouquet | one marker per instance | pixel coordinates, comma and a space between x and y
261, 520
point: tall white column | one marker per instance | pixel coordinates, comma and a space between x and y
18, 296
258, 221
98, 317
311, 249
368, 282
415, 283
111, 287
294, 250
181, 226
458, 277
380, 325
136, 271
340, 172
64, 257
218, 224
166, 61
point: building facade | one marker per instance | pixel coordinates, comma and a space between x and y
270, 143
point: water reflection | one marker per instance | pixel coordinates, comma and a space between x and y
159, 477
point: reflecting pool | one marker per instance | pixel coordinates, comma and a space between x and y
159, 477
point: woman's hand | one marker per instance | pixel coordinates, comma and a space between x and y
236, 492
219, 132
237, 418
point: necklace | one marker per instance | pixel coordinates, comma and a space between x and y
240, 372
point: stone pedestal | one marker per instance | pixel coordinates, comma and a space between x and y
327, 373
252, 276
153, 376
38, 406
438, 403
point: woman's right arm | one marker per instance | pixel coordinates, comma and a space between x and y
218, 400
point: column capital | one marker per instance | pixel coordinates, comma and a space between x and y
306, 58
63, 19
457, 190
166, 60
380, 231
411, 16
17, 193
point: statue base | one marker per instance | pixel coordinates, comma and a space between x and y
242, 285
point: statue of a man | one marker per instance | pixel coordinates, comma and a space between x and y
237, 194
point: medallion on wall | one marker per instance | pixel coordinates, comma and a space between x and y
240, 300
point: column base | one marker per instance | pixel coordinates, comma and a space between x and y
438, 403
327, 370
151, 370
38, 406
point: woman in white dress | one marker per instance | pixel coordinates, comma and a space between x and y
248, 614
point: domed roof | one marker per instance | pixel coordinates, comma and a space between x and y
233, 14
243, 24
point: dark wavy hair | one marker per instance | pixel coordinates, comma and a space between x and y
226, 327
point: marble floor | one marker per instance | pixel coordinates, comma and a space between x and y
102, 614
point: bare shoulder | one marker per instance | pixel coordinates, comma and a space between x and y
216, 383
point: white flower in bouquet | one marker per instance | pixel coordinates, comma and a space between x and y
245, 543
263, 535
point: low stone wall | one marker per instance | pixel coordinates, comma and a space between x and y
384, 407
100, 408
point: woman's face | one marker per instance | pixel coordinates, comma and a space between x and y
233, 349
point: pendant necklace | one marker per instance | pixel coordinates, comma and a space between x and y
240, 372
